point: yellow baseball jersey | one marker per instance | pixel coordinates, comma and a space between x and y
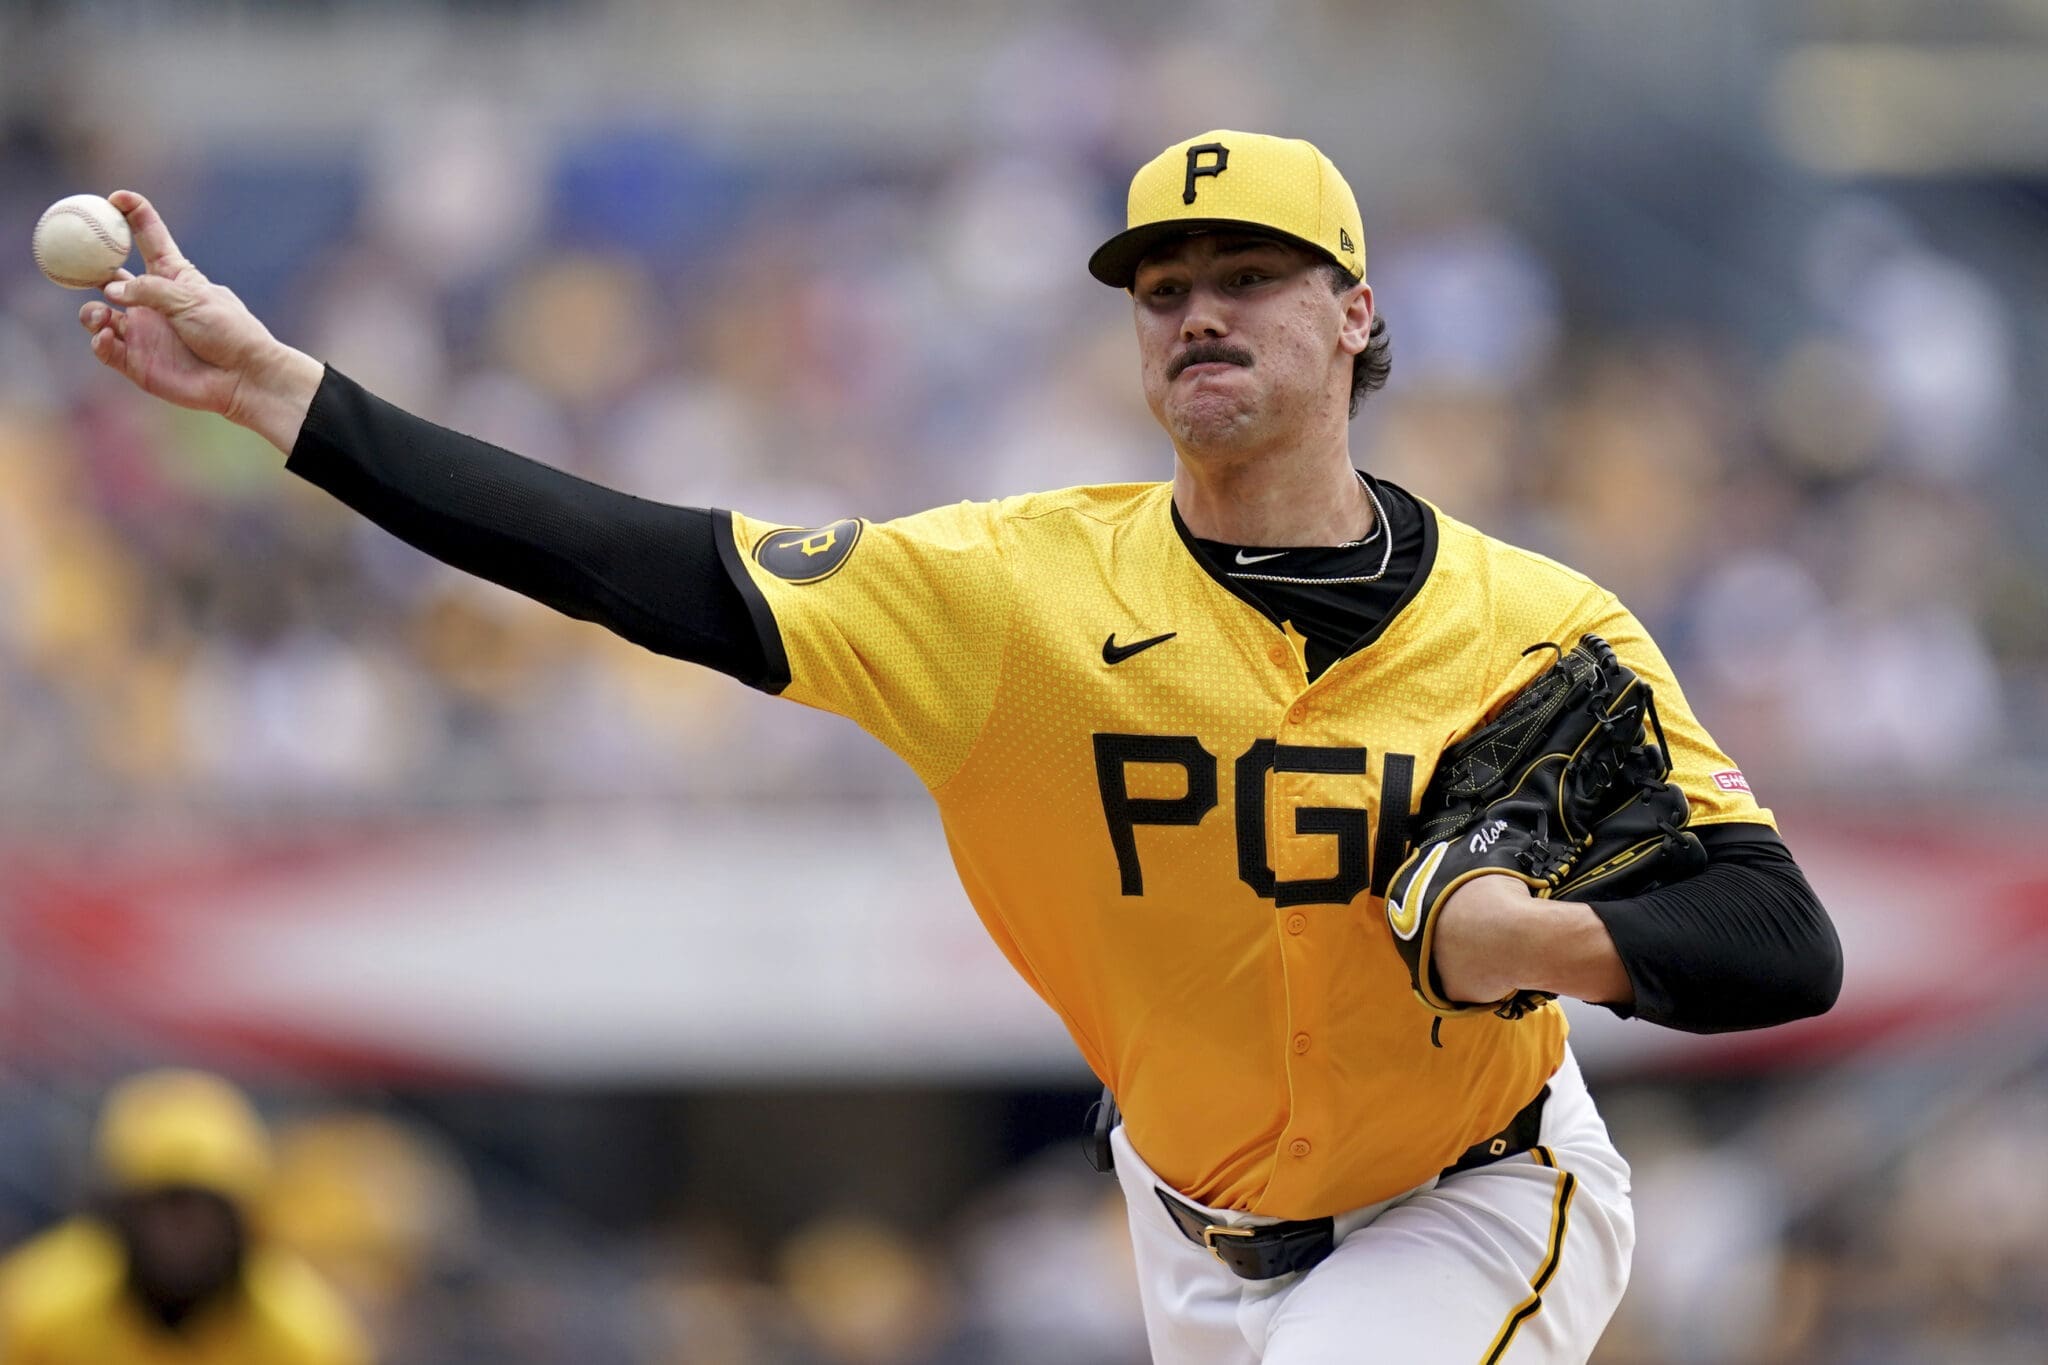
63, 1301
1179, 840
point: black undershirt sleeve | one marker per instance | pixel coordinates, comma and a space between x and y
1745, 944
645, 570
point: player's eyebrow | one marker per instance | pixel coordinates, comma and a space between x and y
1240, 243
1236, 244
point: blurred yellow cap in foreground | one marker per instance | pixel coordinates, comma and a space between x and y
174, 1127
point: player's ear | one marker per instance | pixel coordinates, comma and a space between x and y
1355, 331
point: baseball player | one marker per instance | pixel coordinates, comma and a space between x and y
1177, 733
168, 1269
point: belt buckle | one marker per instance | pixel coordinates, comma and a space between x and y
1215, 1230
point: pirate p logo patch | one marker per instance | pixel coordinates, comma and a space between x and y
808, 554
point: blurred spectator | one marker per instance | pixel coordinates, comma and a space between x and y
1047, 1258
170, 1265
868, 1296
1933, 339
373, 1206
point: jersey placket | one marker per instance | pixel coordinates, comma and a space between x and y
1311, 774
1313, 764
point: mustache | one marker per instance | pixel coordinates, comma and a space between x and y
1203, 352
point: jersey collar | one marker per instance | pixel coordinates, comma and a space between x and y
1221, 577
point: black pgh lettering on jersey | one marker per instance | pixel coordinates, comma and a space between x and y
1397, 783
1197, 168
1113, 753
1347, 824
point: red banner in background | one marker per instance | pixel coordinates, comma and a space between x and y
661, 946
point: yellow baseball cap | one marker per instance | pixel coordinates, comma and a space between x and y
176, 1127
1226, 179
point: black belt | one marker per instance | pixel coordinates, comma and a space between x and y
1274, 1249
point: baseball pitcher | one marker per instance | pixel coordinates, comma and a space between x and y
1297, 799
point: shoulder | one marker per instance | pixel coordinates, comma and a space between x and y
1100, 501
967, 526
1025, 520
306, 1316
71, 1272
1506, 569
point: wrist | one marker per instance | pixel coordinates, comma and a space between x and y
274, 394
1481, 939
1577, 956
1494, 938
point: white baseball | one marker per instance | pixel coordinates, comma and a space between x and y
81, 241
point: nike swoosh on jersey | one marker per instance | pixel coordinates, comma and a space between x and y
1258, 559
1114, 653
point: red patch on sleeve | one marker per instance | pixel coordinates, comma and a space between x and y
1731, 780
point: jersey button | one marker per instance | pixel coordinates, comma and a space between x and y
1281, 654
1297, 712
1300, 1043
1299, 1147
1296, 923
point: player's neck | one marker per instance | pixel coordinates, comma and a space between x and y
1275, 499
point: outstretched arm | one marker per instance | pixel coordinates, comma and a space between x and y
649, 572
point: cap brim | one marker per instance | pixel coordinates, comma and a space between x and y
1115, 262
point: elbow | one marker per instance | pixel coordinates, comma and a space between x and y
1828, 980
1812, 988
1809, 970
1818, 987
1793, 986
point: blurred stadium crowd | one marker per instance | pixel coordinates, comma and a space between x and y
1818, 520
436, 1267
445, 1260
1822, 490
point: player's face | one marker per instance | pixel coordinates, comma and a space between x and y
1242, 343
184, 1245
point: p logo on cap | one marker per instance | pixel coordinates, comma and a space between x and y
1221, 163
1224, 179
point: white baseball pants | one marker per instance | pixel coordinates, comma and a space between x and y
1518, 1262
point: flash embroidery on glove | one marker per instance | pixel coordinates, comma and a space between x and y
1483, 839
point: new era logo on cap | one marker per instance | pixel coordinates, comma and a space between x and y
1224, 179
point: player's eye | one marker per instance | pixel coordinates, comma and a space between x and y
1163, 289
1245, 278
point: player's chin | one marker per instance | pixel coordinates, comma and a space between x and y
1210, 421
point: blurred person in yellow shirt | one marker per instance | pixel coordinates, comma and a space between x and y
166, 1269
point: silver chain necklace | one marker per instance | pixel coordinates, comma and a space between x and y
1379, 527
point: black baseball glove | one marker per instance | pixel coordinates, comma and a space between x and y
1567, 789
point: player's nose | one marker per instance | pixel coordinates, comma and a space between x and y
1203, 319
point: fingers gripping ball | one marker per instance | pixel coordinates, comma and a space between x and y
81, 241
1567, 789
